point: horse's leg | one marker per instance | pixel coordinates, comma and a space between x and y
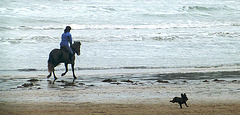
54, 74
73, 80
49, 75
66, 67
73, 71
54, 81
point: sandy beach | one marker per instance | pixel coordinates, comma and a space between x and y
113, 96
61, 108
136, 56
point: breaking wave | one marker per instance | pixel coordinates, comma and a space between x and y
112, 38
205, 8
119, 27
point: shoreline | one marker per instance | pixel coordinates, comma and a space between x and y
103, 72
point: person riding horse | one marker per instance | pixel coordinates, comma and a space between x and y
66, 40
65, 54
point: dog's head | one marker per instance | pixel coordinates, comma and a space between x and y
184, 96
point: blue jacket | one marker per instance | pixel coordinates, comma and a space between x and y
66, 37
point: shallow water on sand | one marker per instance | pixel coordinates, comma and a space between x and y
40, 81
131, 88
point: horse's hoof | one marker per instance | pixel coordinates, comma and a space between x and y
54, 80
48, 76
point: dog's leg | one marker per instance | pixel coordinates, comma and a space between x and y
180, 105
66, 67
186, 104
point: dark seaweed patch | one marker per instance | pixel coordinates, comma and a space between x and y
161, 81
27, 85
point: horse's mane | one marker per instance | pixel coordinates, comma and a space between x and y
76, 43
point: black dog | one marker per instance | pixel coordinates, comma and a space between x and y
180, 100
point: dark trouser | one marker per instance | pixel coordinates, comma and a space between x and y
67, 48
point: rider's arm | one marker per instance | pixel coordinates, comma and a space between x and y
70, 39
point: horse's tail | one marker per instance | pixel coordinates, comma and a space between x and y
50, 67
50, 64
53, 60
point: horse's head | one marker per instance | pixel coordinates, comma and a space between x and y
76, 47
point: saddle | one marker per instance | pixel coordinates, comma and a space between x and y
63, 49
66, 51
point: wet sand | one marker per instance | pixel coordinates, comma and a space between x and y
65, 108
141, 94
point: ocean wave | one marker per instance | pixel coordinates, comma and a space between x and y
168, 38
190, 24
29, 39
31, 27
235, 24
28, 70
113, 38
226, 34
109, 38
205, 8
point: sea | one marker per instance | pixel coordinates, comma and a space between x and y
121, 36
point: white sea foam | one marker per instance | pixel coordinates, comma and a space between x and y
117, 34
180, 24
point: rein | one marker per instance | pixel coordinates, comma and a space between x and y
78, 59
73, 48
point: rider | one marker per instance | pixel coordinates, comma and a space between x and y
66, 40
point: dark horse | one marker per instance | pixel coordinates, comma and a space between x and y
58, 56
